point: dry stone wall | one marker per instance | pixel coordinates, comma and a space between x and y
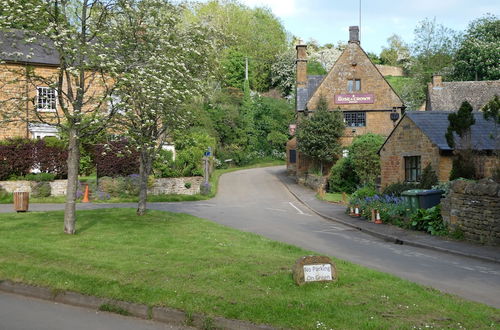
474, 209
183, 186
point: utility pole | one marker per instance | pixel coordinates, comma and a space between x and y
359, 21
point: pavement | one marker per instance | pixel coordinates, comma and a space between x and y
337, 212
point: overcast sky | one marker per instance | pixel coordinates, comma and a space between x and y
328, 21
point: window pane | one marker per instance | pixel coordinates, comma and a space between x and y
358, 85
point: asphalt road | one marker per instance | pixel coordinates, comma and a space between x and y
256, 201
23, 313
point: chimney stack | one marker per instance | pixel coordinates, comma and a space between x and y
354, 34
301, 65
437, 80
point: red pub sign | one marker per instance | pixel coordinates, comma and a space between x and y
354, 98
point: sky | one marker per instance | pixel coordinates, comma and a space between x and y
328, 21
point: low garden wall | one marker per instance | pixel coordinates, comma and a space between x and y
474, 209
312, 181
182, 185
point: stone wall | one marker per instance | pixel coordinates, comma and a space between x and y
161, 186
474, 208
312, 181
389, 70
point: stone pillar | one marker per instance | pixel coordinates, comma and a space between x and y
437, 80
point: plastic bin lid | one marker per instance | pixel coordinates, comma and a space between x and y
412, 192
431, 192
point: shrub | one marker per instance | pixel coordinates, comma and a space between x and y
51, 155
362, 193
397, 188
429, 178
4, 195
16, 157
392, 208
463, 167
187, 185
115, 158
429, 220
40, 189
366, 161
342, 177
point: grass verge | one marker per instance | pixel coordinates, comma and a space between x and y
332, 197
214, 181
180, 261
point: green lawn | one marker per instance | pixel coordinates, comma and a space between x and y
180, 261
332, 197
214, 181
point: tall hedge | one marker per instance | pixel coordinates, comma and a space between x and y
19, 157
115, 158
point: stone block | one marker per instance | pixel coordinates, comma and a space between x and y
298, 270
169, 315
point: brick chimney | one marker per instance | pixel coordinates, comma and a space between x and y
437, 80
354, 34
301, 65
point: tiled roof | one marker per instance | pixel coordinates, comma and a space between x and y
435, 123
304, 94
27, 47
450, 95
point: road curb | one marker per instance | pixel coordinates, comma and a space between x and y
160, 314
389, 238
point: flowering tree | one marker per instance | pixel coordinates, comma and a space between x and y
74, 30
164, 63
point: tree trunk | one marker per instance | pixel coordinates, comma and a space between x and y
72, 186
144, 170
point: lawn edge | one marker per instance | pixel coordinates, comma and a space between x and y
156, 313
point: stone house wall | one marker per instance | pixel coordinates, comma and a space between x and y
409, 140
474, 209
14, 86
355, 64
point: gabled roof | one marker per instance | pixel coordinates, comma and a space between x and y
434, 125
304, 94
450, 95
27, 47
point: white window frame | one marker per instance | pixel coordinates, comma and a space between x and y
42, 108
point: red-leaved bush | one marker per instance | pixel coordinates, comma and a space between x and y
115, 159
19, 157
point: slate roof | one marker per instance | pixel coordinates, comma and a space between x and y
450, 95
435, 123
27, 47
304, 94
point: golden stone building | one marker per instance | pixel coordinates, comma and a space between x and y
29, 69
355, 86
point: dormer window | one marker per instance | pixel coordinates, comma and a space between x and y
354, 85
46, 99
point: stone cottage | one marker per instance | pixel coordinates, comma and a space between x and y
28, 67
448, 96
355, 86
419, 140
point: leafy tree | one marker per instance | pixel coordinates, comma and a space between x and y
315, 68
433, 49
255, 32
283, 72
164, 62
460, 124
77, 32
477, 56
326, 56
374, 58
318, 136
491, 110
233, 68
397, 52
19, 14
366, 161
